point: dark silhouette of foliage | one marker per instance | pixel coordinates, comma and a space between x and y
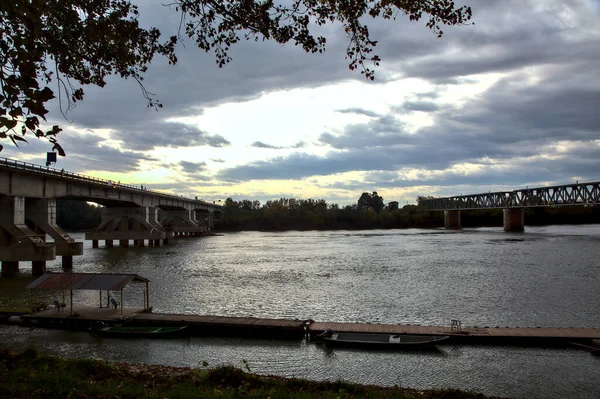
372, 200
75, 215
300, 214
70, 44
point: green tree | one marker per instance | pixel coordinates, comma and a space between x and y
68, 44
372, 200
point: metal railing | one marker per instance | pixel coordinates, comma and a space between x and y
63, 174
563, 195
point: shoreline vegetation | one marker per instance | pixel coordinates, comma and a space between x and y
29, 374
298, 214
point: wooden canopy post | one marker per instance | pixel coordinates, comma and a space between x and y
147, 297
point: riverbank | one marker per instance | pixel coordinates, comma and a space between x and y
29, 374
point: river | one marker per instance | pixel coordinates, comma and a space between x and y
548, 276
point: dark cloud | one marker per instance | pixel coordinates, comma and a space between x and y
424, 106
300, 144
260, 144
192, 167
143, 137
358, 111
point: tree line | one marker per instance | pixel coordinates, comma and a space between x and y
369, 212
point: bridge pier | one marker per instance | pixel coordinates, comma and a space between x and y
124, 224
452, 220
181, 222
17, 241
514, 219
42, 213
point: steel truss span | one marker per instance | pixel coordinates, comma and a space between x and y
586, 194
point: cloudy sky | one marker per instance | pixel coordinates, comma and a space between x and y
509, 102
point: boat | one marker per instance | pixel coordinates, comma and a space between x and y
387, 341
136, 331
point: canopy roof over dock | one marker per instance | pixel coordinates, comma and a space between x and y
85, 281
90, 281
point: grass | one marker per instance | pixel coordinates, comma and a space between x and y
31, 375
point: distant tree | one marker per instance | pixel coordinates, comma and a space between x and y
372, 200
421, 198
77, 215
67, 43
276, 215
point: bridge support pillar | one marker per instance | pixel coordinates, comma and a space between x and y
10, 268
94, 243
514, 219
17, 241
452, 219
42, 212
38, 267
180, 222
126, 224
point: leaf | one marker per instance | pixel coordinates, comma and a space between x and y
60, 150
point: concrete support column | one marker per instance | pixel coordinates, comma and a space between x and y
38, 267
108, 243
181, 222
124, 224
514, 219
42, 212
17, 241
10, 268
210, 220
94, 243
67, 262
452, 219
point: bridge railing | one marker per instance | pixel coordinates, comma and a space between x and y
563, 195
46, 170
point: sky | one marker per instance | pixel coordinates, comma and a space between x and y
511, 101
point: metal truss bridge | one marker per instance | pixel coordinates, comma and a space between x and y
586, 194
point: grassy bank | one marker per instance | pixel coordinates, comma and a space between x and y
31, 375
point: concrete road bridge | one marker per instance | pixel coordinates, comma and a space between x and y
514, 202
129, 213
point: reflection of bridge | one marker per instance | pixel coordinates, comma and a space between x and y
29, 191
513, 202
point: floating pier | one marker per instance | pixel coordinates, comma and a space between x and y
471, 335
85, 317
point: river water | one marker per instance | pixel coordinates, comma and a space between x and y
548, 276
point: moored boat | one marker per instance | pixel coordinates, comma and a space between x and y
136, 331
387, 341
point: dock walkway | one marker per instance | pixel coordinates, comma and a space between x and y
287, 328
475, 334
